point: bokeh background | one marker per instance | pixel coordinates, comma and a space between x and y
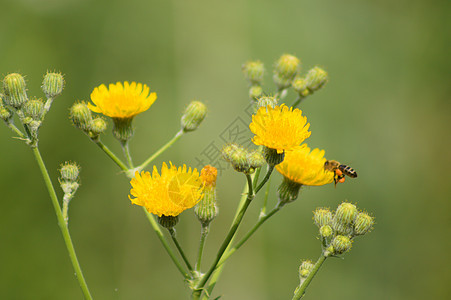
385, 112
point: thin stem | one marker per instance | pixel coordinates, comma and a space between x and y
110, 154
62, 225
161, 150
228, 239
297, 101
126, 149
218, 270
261, 220
256, 176
265, 200
15, 129
268, 174
163, 241
66, 200
179, 248
299, 293
203, 235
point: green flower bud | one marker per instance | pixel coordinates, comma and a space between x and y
194, 115
15, 90
326, 231
305, 268
363, 223
255, 159
341, 244
5, 113
265, 101
272, 157
254, 71
168, 222
69, 171
281, 82
81, 116
300, 86
316, 78
255, 92
237, 156
342, 229
288, 191
206, 210
98, 126
322, 216
345, 213
287, 66
34, 109
53, 84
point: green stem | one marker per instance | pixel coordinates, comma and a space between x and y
228, 239
265, 200
163, 241
161, 150
299, 293
66, 200
268, 174
126, 149
179, 248
256, 176
218, 271
297, 101
203, 235
15, 129
261, 220
62, 225
110, 154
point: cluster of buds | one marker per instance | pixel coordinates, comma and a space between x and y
242, 159
83, 119
338, 229
254, 71
31, 112
315, 79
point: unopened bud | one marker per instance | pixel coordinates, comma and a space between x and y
98, 126
342, 229
305, 268
53, 84
206, 210
168, 221
287, 66
254, 71
34, 109
363, 223
69, 171
316, 78
255, 159
322, 216
194, 115
81, 116
15, 90
341, 244
265, 101
345, 213
5, 113
300, 86
255, 92
237, 156
326, 231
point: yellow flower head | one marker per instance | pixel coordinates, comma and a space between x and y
305, 167
279, 128
168, 194
121, 101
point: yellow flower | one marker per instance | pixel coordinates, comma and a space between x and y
168, 194
305, 167
121, 101
280, 128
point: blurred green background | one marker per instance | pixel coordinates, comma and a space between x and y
385, 112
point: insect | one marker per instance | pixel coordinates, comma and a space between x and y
339, 170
